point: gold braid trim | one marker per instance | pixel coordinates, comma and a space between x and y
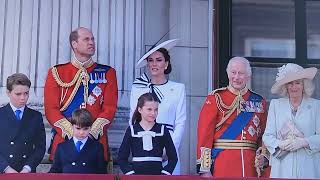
84, 76
235, 105
262, 151
65, 127
205, 159
73, 93
97, 127
265, 152
80, 77
235, 144
56, 76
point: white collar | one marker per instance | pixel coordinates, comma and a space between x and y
76, 59
14, 108
75, 140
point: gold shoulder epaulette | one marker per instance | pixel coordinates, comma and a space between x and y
216, 90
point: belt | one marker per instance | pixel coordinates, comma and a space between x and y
141, 159
235, 144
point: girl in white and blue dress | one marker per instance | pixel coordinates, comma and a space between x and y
170, 95
146, 140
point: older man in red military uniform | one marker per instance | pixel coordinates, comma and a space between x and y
81, 83
230, 127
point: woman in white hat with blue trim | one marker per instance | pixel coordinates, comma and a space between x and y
170, 95
292, 134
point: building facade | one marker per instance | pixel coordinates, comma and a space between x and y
34, 37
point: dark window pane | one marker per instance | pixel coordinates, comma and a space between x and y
313, 29
263, 28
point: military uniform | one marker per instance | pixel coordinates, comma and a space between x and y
74, 85
230, 127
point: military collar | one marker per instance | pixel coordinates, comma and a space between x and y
80, 65
237, 92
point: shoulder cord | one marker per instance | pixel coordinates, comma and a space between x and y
235, 105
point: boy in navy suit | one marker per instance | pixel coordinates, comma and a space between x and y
80, 154
23, 139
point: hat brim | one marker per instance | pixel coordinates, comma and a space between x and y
167, 45
307, 73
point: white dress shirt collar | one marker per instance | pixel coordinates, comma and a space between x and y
75, 140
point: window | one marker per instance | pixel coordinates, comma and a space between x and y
269, 33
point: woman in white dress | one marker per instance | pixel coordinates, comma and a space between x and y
171, 95
292, 134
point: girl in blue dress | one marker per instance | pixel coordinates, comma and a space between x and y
146, 140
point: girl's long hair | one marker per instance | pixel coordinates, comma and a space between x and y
136, 117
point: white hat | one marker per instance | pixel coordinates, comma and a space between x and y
291, 72
167, 45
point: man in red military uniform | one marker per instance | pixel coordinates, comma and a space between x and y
81, 83
230, 127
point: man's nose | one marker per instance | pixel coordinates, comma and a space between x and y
23, 97
91, 42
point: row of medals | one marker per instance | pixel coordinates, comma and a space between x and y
96, 78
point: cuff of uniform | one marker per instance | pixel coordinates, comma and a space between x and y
129, 173
65, 127
165, 172
97, 127
201, 171
27, 167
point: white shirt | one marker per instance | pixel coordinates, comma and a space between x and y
21, 109
75, 140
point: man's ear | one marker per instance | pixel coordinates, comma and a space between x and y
74, 44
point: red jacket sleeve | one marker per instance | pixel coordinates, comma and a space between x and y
206, 129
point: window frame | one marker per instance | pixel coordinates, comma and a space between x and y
223, 35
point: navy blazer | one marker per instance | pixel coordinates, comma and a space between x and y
22, 142
89, 160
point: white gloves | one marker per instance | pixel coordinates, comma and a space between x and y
297, 143
293, 144
283, 144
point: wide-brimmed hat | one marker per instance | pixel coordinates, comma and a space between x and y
291, 72
167, 45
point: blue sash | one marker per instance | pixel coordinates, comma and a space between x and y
78, 98
237, 125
